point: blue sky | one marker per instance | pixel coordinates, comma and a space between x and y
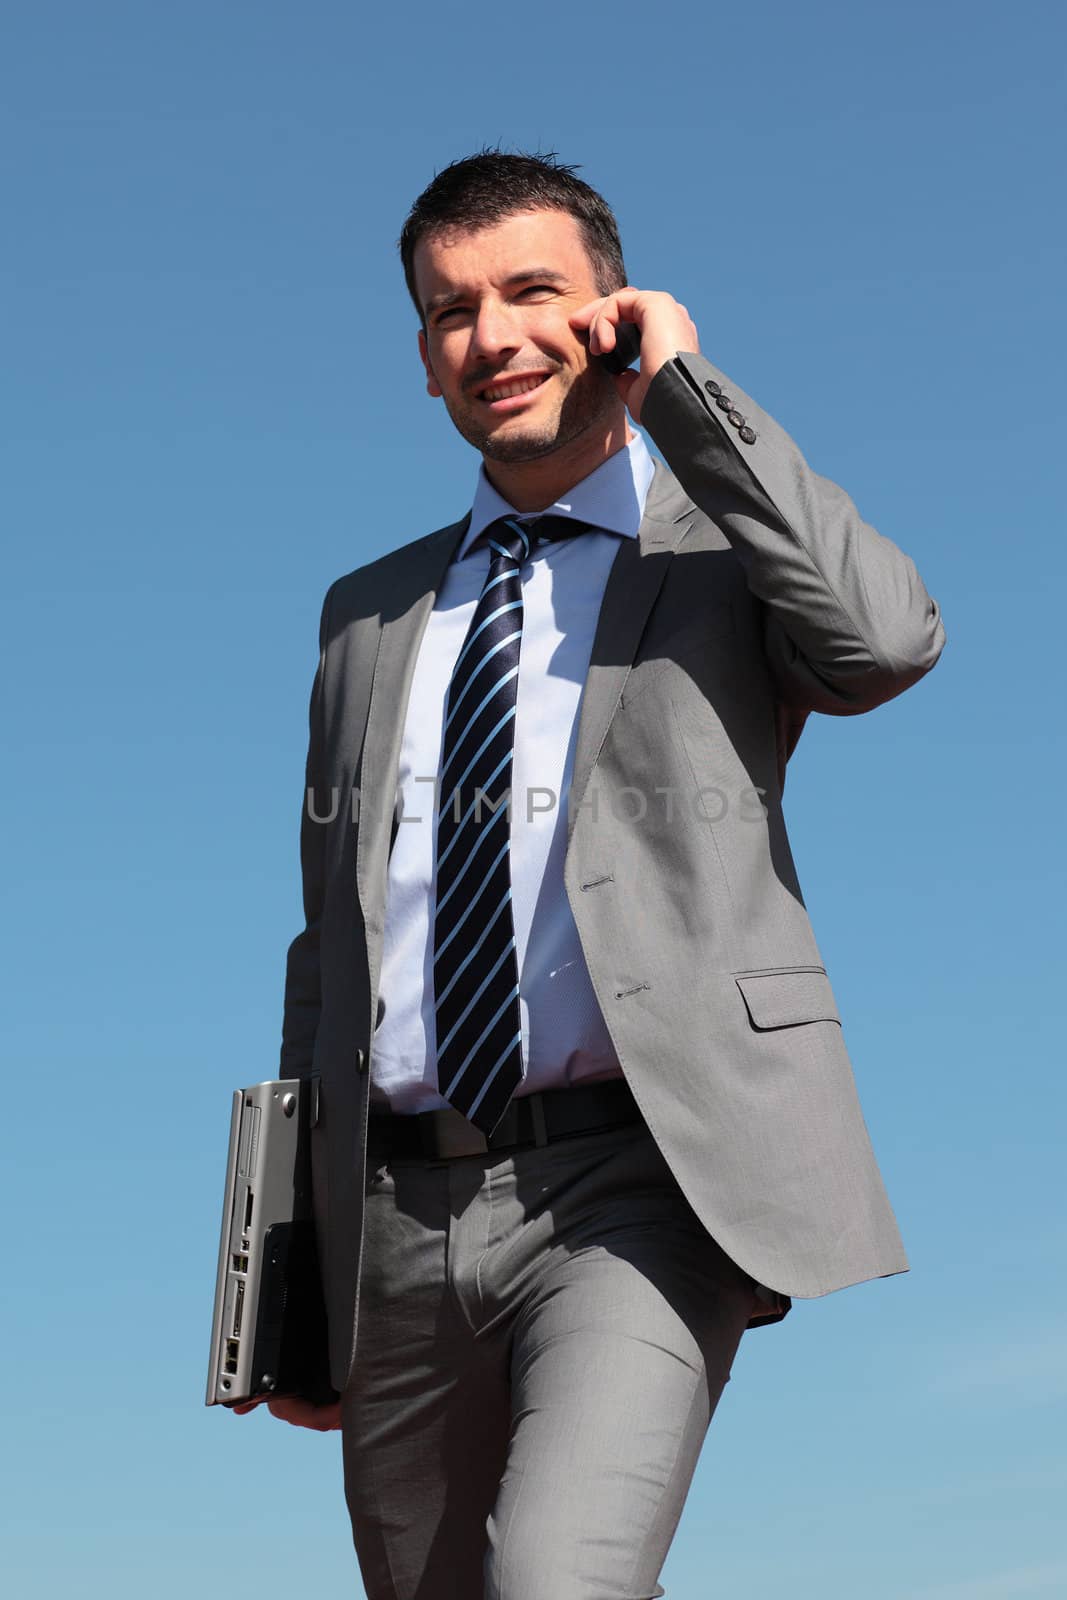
212, 406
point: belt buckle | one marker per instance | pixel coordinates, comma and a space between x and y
450, 1135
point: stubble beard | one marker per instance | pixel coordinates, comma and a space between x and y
589, 400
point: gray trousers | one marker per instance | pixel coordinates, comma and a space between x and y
543, 1338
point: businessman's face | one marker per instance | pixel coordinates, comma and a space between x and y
496, 303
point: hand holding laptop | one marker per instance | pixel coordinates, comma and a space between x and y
301, 1413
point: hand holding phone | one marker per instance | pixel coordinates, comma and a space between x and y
627, 348
645, 321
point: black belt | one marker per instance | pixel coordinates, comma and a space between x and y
530, 1119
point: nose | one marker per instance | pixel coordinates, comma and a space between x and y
495, 333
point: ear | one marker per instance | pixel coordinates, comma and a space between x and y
432, 386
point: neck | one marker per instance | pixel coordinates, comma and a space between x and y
535, 485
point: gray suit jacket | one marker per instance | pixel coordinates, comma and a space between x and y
753, 595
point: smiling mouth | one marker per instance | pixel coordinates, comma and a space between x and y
510, 391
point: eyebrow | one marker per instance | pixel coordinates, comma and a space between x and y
439, 302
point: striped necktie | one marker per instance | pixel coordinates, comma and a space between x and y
476, 976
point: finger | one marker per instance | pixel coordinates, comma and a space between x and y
302, 1414
585, 314
289, 1410
605, 333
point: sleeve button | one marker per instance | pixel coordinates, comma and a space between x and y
712, 387
724, 402
747, 434
735, 419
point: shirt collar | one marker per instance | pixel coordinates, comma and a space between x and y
612, 497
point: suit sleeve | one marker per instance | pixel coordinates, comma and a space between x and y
848, 623
303, 989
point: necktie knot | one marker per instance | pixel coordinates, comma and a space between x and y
515, 537
508, 538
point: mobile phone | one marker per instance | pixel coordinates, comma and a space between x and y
627, 348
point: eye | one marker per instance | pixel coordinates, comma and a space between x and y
458, 311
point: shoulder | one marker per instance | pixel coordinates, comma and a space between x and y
367, 589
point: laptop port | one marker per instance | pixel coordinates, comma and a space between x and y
248, 1211
238, 1309
240, 1263
230, 1364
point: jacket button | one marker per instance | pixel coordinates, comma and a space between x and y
361, 1060
712, 387
735, 419
747, 434
724, 402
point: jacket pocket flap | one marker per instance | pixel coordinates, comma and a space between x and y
779, 999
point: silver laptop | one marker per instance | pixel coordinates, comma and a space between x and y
268, 1331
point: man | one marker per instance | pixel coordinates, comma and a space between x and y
586, 1110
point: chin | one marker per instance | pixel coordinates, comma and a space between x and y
511, 438
506, 444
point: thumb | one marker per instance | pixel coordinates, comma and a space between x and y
624, 382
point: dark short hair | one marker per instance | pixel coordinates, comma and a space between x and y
482, 190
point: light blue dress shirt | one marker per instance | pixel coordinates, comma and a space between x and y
564, 1037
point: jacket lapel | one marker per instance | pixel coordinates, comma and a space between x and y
633, 583
404, 615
